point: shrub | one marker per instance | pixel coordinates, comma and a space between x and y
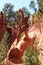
30, 57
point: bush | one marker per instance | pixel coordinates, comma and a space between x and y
30, 57
3, 47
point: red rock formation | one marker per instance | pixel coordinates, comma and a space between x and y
22, 20
3, 25
16, 52
17, 49
18, 27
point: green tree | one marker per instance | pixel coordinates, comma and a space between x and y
32, 5
25, 10
4, 47
19, 15
8, 11
30, 57
40, 4
28, 14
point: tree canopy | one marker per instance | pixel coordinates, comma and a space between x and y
40, 4
32, 5
8, 11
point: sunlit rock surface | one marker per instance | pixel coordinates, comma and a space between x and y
17, 48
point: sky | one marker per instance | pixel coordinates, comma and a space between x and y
17, 4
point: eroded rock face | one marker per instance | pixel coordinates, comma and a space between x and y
21, 44
16, 51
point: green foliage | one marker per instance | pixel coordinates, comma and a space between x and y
28, 14
32, 5
22, 35
30, 57
2, 63
3, 47
6, 36
10, 23
8, 11
25, 10
40, 4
